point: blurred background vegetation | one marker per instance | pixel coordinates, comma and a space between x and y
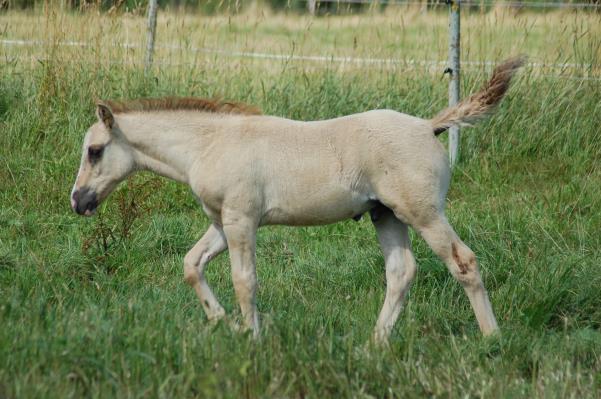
212, 6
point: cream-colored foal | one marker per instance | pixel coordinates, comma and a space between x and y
250, 170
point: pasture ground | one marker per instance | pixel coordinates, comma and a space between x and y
98, 307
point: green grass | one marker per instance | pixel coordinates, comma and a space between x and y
81, 318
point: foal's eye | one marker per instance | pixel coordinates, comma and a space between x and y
94, 153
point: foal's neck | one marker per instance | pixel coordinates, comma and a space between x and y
166, 143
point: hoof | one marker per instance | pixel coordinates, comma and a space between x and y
216, 316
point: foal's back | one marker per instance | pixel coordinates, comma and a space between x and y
305, 173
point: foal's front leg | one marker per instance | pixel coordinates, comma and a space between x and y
209, 246
241, 234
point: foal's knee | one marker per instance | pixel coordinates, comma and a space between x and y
243, 277
190, 271
464, 265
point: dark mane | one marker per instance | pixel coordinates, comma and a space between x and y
182, 103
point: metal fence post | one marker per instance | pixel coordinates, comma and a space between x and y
150, 34
454, 69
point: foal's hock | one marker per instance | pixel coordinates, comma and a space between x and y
250, 170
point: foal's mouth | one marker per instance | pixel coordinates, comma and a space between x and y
89, 212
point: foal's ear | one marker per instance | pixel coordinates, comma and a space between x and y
105, 115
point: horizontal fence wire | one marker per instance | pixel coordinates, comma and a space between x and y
310, 58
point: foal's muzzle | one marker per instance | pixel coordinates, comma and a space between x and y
84, 201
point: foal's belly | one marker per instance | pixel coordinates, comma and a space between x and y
317, 208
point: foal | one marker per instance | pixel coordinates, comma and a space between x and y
250, 170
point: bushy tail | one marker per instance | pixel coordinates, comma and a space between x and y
479, 104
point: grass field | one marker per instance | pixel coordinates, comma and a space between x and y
98, 307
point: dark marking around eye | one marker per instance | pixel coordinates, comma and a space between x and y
95, 153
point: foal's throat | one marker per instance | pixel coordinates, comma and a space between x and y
161, 144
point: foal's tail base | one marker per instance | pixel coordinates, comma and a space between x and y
482, 103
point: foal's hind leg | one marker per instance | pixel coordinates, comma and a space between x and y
393, 236
462, 264
210, 245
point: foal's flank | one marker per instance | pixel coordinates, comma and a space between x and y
250, 170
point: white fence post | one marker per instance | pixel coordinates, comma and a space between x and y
454, 69
150, 34
311, 6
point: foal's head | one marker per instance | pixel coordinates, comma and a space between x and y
107, 159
